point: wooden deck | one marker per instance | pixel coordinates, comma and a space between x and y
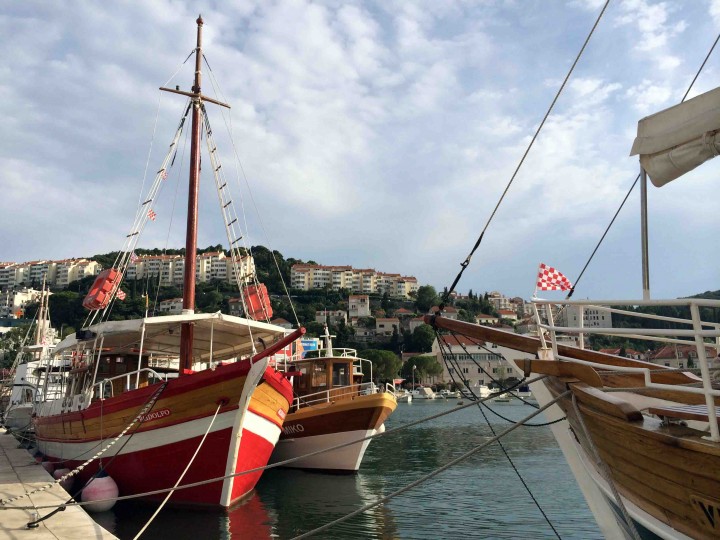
19, 474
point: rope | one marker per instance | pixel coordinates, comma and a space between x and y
192, 459
285, 462
606, 473
572, 289
78, 469
483, 406
432, 474
465, 263
241, 169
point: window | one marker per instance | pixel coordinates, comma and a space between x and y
479, 370
340, 375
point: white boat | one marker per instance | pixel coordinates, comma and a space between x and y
35, 376
642, 439
423, 392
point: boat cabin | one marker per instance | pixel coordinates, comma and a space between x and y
326, 379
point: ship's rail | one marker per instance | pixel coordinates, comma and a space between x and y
680, 324
337, 393
103, 385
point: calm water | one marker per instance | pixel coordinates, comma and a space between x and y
479, 498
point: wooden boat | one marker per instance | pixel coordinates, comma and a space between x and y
148, 397
332, 407
642, 439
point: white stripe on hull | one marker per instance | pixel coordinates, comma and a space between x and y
343, 459
147, 440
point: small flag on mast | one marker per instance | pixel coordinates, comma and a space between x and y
121, 294
152, 215
133, 257
550, 279
163, 175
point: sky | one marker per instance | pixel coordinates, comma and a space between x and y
376, 134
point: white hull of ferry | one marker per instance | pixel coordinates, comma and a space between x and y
346, 459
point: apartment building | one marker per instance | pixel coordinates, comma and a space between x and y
474, 361
363, 281
171, 268
14, 302
592, 317
55, 273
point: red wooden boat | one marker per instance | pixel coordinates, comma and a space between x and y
155, 395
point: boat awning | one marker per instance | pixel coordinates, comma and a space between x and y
231, 336
675, 141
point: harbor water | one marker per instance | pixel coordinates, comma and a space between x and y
481, 497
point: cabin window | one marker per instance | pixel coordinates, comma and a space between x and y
340, 375
319, 377
104, 366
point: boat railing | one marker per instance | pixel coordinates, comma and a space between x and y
129, 383
694, 335
336, 393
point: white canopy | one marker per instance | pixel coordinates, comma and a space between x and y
231, 336
676, 140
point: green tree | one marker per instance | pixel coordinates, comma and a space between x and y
423, 338
426, 366
426, 298
385, 364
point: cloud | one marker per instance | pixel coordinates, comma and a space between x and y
371, 133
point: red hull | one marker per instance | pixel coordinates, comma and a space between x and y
155, 456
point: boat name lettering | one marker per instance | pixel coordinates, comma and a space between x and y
155, 415
295, 428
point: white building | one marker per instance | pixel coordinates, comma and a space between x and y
172, 306
331, 317
475, 361
14, 302
593, 317
358, 305
365, 281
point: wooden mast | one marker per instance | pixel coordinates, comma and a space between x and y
186, 330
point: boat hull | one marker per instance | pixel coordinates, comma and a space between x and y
253, 402
317, 427
670, 489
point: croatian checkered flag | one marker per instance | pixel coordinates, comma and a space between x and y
550, 279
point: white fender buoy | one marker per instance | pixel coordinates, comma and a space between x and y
49, 466
98, 489
68, 482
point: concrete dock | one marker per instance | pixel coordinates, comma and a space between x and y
20, 474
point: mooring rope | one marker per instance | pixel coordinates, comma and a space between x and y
79, 468
187, 468
284, 462
434, 473
606, 473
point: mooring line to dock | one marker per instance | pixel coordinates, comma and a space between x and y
434, 473
284, 462
79, 468
187, 468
